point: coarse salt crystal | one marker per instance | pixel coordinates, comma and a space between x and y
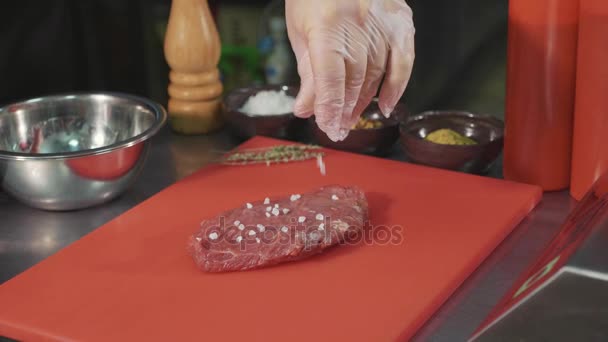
261, 227
276, 205
334, 197
249, 205
284, 229
285, 211
257, 240
268, 208
236, 223
301, 219
266, 200
322, 226
241, 226
267, 214
275, 212
293, 198
321, 164
213, 236
199, 239
319, 217
239, 238
251, 233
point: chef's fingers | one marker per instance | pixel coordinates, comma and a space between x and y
398, 74
356, 68
329, 72
368, 92
304, 105
376, 65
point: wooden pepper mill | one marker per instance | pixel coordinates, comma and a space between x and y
192, 50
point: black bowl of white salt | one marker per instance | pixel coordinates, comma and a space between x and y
263, 110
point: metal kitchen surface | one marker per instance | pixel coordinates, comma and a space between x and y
563, 296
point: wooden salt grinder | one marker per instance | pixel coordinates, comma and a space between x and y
192, 50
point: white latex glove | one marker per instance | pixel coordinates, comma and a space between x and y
343, 48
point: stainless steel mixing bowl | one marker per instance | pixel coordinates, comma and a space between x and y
74, 151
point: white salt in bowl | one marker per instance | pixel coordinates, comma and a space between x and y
283, 125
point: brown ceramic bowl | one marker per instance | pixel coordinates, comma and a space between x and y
376, 141
486, 130
283, 126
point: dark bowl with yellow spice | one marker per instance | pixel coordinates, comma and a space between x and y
453, 140
373, 134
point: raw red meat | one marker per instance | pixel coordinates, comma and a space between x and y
279, 230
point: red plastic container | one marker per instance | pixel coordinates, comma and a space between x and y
541, 73
590, 151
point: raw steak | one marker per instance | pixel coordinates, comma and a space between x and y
279, 230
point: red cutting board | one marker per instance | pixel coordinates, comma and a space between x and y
131, 280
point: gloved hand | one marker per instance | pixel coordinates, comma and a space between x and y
343, 48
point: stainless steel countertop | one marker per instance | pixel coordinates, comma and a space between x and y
27, 236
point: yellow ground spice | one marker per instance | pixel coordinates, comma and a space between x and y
364, 123
446, 136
